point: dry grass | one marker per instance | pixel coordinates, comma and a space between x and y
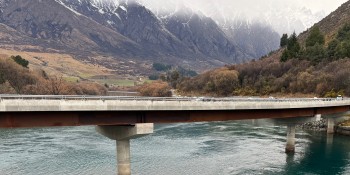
58, 64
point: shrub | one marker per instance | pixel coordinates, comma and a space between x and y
155, 89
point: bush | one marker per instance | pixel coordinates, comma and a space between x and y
155, 89
153, 77
161, 67
17, 76
21, 61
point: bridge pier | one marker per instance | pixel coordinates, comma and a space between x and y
122, 135
330, 125
290, 146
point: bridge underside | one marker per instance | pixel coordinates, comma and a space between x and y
79, 118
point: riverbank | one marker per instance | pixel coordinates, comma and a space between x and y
343, 128
320, 125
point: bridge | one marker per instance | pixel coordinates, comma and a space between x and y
125, 118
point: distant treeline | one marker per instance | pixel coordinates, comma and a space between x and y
315, 67
17, 78
164, 71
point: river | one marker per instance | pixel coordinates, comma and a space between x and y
217, 148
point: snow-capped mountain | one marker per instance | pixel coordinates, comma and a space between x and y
281, 16
132, 29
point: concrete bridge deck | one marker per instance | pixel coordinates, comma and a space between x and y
38, 111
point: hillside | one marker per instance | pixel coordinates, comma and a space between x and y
332, 23
316, 63
16, 77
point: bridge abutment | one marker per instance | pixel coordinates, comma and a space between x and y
122, 135
290, 146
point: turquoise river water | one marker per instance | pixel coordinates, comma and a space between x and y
217, 148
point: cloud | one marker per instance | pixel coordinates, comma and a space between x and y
285, 16
248, 5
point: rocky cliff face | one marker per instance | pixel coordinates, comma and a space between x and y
202, 35
254, 39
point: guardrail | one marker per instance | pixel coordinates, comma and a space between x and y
138, 98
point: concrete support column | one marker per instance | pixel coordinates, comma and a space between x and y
123, 157
290, 146
318, 117
330, 125
122, 135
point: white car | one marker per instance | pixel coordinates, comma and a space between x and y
339, 97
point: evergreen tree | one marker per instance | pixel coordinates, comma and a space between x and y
293, 46
284, 40
315, 53
332, 49
315, 37
285, 56
345, 49
21, 61
344, 33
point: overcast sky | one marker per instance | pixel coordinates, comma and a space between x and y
318, 5
285, 16
314, 5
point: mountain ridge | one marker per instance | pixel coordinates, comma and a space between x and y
122, 30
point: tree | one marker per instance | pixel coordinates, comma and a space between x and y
344, 50
21, 61
285, 56
225, 81
153, 77
55, 85
344, 33
332, 49
174, 78
315, 37
293, 46
284, 40
315, 53
161, 67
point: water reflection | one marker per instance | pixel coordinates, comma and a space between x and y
326, 154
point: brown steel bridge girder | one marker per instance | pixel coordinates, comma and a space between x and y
79, 118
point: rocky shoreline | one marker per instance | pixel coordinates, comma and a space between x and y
344, 130
320, 125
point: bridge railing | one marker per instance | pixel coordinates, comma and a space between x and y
139, 98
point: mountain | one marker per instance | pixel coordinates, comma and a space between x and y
165, 35
62, 27
255, 39
202, 35
128, 30
252, 40
282, 16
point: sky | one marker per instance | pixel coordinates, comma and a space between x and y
318, 5
314, 5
